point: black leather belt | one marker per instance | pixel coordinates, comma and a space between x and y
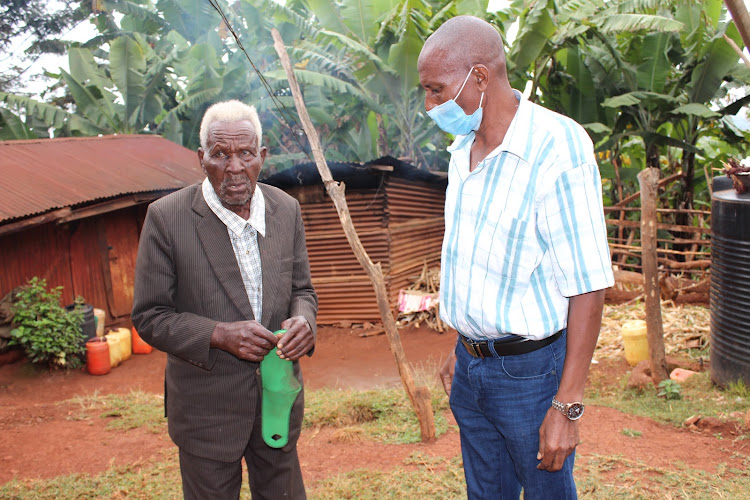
506, 346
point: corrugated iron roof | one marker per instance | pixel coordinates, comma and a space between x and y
40, 175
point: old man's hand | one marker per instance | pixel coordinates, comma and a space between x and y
245, 339
298, 339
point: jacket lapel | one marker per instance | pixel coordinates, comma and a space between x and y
267, 249
215, 239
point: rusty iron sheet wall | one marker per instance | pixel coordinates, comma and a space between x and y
400, 225
92, 257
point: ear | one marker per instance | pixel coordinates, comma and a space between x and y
200, 159
262, 153
480, 74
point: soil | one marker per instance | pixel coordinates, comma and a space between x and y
41, 437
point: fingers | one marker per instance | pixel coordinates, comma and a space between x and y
297, 340
558, 437
447, 383
446, 373
249, 340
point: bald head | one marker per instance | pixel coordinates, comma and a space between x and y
465, 41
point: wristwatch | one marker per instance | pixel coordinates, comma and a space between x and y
573, 411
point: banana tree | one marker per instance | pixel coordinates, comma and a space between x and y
624, 69
122, 94
378, 43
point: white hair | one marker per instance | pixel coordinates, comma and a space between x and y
230, 111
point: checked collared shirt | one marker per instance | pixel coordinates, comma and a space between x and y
524, 231
244, 236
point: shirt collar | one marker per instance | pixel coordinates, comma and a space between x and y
234, 222
517, 138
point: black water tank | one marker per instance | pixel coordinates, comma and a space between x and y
730, 287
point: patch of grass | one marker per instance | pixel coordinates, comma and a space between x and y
433, 478
383, 415
146, 481
699, 396
631, 433
125, 411
606, 477
738, 390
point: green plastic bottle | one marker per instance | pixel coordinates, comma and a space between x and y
280, 390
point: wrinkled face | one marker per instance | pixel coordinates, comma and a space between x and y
232, 162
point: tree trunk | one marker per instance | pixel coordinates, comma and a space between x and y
649, 182
652, 155
419, 396
684, 202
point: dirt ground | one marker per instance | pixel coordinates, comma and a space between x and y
39, 438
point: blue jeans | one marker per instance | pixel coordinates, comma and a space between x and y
499, 404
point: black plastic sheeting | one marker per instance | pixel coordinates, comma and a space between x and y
354, 175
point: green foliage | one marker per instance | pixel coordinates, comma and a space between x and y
48, 334
38, 26
649, 80
669, 389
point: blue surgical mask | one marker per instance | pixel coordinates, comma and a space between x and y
451, 118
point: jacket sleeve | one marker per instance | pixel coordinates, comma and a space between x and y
155, 315
304, 299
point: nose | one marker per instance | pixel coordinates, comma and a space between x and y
234, 165
429, 103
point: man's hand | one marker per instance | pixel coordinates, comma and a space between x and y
298, 339
245, 339
446, 372
558, 437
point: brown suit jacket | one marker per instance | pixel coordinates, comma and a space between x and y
187, 279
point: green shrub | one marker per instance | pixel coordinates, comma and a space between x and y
48, 333
669, 389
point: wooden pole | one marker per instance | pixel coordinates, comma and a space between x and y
419, 396
649, 184
741, 18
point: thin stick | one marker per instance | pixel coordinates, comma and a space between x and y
419, 396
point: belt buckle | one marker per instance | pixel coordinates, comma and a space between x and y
475, 347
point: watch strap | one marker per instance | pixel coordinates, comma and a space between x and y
565, 408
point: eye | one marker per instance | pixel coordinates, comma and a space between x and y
247, 152
219, 154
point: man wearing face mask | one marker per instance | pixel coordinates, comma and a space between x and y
524, 266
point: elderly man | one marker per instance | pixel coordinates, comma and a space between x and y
524, 266
222, 264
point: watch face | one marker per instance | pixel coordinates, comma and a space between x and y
575, 411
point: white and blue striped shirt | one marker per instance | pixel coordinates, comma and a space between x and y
524, 231
244, 236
